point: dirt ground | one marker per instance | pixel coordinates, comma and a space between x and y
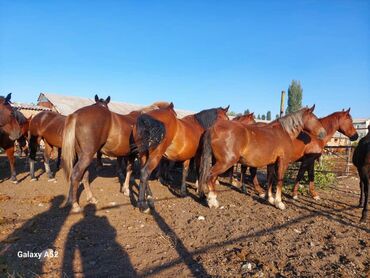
182, 237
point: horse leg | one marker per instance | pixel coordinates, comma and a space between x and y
59, 158
217, 169
86, 182
185, 171
120, 174
302, 169
257, 187
47, 154
145, 194
362, 189
243, 171
77, 173
311, 177
366, 180
10, 154
99, 163
129, 168
282, 166
270, 181
32, 156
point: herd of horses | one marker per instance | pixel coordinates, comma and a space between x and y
208, 139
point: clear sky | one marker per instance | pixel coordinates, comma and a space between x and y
198, 54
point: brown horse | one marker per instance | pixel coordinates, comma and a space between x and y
361, 159
256, 146
48, 126
160, 133
91, 129
307, 153
9, 145
8, 122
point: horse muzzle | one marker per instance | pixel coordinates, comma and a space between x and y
354, 137
15, 135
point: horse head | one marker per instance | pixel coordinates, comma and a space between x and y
8, 121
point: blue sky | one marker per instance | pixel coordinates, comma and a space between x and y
198, 54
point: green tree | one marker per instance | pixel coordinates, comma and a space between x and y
259, 117
268, 116
231, 113
263, 117
276, 116
246, 112
294, 96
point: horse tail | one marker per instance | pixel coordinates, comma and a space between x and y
68, 147
150, 133
205, 160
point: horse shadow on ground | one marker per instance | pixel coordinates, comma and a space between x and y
100, 254
35, 235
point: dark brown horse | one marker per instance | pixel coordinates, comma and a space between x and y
9, 145
361, 159
8, 122
308, 153
160, 133
48, 126
255, 146
91, 129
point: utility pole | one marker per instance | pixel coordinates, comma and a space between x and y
282, 103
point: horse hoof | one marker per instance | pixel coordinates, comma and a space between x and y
183, 194
33, 179
295, 197
150, 201
280, 205
76, 208
271, 200
213, 203
15, 181
317, 197
126, 192
143, 207
93, 200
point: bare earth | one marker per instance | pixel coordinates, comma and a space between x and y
182, 237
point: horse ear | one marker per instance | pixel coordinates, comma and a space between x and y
252, 114
8, 97
107, 99
348, 110
96, 98
226, 108
171, 105
312, 108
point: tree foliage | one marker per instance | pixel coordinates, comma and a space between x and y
268, 116
294, 96
246, 112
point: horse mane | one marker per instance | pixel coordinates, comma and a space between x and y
21, 119
154, 106
206, 118
293, 122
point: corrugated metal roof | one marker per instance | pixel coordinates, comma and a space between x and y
66, 105
29, 107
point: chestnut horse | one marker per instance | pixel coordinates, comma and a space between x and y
9, 145
48, 126
307, 153
256, 146
91, 129
361, 159
160, 133
8, 122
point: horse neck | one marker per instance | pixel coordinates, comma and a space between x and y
331, 125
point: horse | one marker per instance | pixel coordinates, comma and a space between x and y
48, 126
159, 133
91, 129
307, 153
8, 121
361, 159
256, 146
9, 145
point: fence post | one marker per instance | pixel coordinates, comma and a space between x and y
349, 149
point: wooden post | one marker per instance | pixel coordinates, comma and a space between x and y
282, 102
349, 152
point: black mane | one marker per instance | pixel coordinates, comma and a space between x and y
21, 119
207, 118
